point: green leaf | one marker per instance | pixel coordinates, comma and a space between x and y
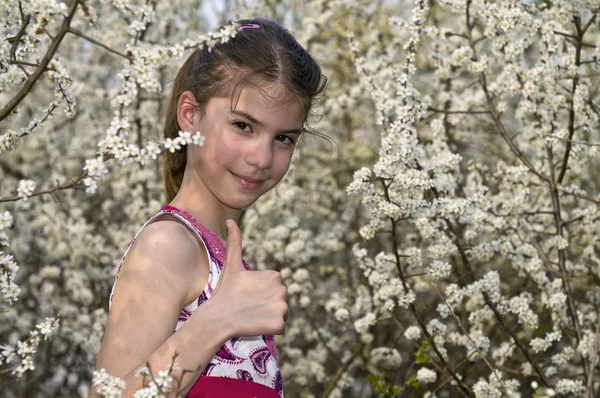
381, 387
413, 382
421, 357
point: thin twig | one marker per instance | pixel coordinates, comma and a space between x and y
320, 336
462, 328
341, 370
582, 196
17, 38
94, 41
14, 62
574, 141
564, 34
449, 379
458, 112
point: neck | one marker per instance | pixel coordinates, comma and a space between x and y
196, 199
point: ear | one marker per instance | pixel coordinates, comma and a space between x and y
187, 115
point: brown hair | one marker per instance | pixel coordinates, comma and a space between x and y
268, 53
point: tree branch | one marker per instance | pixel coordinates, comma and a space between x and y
465, 390
571, 127
562, 259
16, 100
67, 185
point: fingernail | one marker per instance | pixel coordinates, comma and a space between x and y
228, 222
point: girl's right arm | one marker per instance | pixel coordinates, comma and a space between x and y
149, 296
155, 282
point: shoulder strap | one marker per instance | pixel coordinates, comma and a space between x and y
213, 243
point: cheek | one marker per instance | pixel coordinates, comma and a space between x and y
220, 147
282, 162
229, 150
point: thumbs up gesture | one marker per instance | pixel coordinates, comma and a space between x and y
254, 302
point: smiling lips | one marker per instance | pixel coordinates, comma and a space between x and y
247, 182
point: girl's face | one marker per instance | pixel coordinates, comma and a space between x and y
247, 150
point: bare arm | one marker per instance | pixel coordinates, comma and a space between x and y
148, 298
159, 276
196, 342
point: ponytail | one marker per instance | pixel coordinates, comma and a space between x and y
174, 163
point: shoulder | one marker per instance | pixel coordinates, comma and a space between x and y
166, 251
168, 238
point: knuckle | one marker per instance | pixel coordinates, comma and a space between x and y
284, 308
279, 327
274, 274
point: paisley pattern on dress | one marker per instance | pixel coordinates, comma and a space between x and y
225, 355
235, 342
259, 357
244, 375
254, 359
209, 368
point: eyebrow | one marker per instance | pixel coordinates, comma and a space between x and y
261, 124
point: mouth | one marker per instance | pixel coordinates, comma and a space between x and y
248, 183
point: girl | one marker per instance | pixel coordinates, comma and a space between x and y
179, 287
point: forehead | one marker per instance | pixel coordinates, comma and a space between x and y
268, 97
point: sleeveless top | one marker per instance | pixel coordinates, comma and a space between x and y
253, 360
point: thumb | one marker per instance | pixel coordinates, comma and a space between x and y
233, 262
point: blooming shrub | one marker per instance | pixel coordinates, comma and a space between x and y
445, 245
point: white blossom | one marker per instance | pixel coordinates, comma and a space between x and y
107, 385
542, 344
412, 332
25, 188
426, 376
570, 386
386, 358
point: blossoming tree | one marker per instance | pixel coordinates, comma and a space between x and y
446, 244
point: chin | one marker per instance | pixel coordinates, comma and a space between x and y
240, 204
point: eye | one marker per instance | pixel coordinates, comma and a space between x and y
242, 126
286, 140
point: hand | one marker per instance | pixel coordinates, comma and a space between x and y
253, 302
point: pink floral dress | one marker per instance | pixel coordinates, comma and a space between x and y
249, 359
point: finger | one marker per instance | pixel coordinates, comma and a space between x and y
233, 262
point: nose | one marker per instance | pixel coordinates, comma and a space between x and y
260, 154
